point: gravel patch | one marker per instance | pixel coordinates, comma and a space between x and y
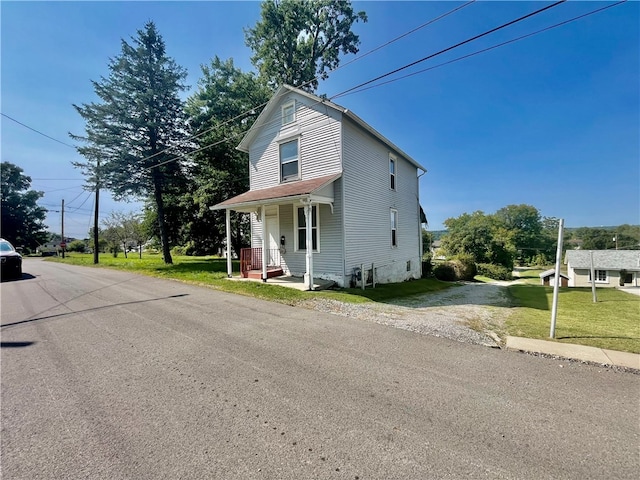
469, 312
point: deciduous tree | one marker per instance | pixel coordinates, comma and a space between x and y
22, 218
296, 41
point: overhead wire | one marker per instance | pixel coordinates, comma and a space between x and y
357, 58
37, 131
459, 44
477, 52
504, 25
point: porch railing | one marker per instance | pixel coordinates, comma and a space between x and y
251, 259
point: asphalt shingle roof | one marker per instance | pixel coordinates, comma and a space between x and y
604, 259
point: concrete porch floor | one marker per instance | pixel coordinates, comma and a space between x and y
289, 282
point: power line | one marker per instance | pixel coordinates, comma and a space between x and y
358, 88
464, 42
477, 52
360, 57
37, 131
512, 22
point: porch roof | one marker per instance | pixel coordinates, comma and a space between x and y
280, 193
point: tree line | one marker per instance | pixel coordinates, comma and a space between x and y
519, 234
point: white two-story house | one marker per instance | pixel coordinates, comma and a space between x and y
328, 194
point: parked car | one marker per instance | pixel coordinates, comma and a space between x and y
11, 260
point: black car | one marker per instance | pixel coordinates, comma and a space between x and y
11, 260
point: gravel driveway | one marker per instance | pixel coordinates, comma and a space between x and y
467, 312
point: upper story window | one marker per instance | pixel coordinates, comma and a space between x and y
394, 228
289, 162
392, 172
289, 112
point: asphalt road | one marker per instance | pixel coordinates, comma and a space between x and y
109, 375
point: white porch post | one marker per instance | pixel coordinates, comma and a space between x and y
228, 226
308, 218
263, 219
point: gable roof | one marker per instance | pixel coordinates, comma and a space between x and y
285, 191
551, 272
284, 89
604, 259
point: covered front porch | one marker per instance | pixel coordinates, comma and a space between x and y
264, 260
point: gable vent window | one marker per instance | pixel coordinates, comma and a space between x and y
289, 161
288, 113
392, 172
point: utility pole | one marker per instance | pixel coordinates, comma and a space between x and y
556, 281
593, 278
62, 242
96, 257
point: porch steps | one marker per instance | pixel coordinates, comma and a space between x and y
271, 272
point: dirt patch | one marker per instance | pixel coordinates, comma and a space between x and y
470, 312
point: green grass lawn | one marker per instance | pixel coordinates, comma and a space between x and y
212, 272
613, 322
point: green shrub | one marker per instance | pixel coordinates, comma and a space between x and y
445, 271
464, 266
178, 251
496, 272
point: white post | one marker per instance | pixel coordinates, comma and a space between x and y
308, 218
228, 226
263, 219
593, 279
556, 281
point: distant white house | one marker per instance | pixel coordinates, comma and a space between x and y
328, 193
613, 268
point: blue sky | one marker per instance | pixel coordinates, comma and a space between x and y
552, 120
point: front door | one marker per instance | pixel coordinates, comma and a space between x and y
273, 236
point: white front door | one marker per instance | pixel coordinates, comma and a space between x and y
272, 221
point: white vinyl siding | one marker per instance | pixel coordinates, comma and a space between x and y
317, 128
368, 200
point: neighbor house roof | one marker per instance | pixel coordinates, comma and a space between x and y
283, 192
284, 89
604, 259
551, 272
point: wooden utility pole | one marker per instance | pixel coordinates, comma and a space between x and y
62, 242
96, 257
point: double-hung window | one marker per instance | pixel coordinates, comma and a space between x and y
289, 112
601, 276
394, 228
392, 172
301, 228
289, 161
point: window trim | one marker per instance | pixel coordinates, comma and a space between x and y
393, 176
290, 178
297, 227
597, 272
393, 229
292, 104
